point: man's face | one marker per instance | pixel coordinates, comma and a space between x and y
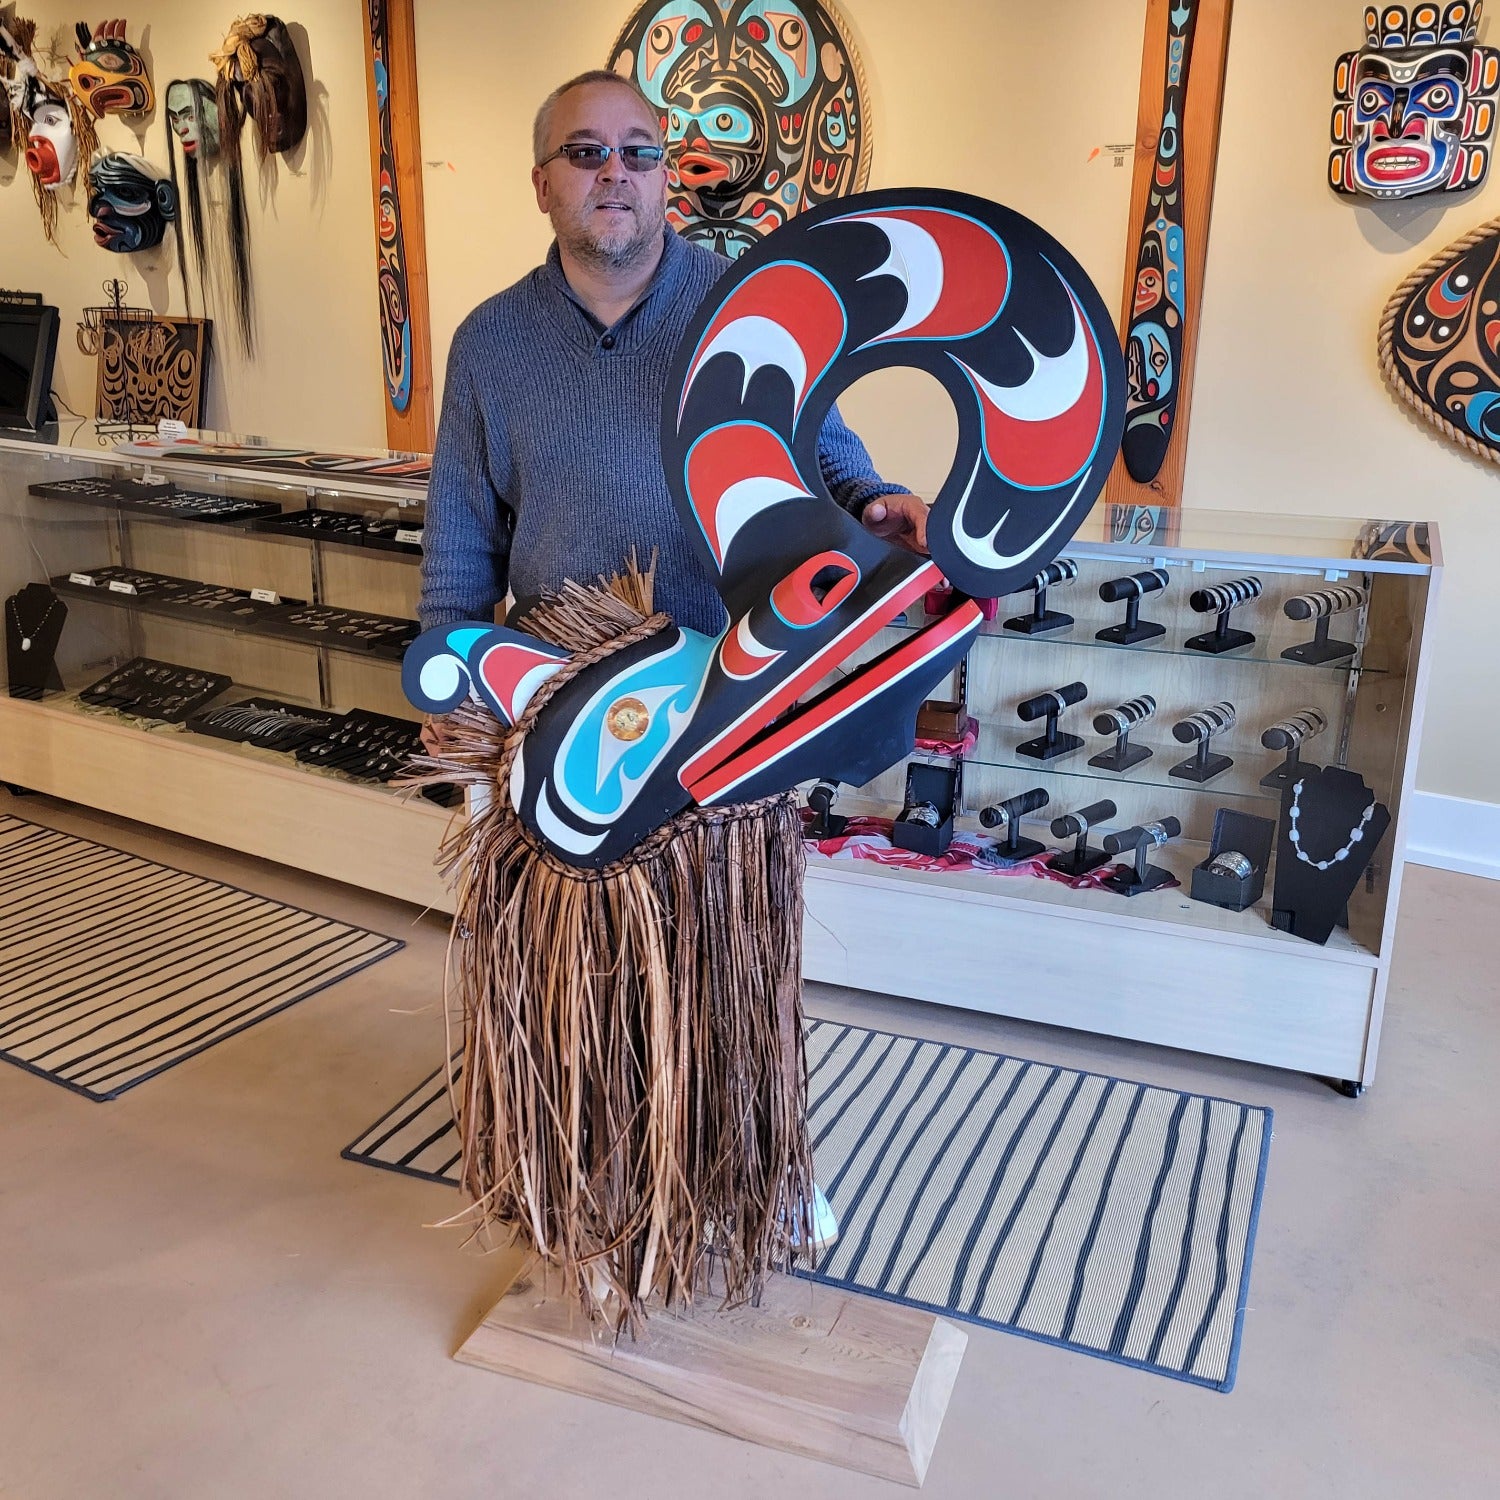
611, 218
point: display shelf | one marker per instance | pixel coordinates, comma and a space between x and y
1240, 782
256, 801
1073, 635
250, 617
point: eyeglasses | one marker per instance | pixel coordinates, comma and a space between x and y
589, 157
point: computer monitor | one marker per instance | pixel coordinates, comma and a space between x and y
28, 345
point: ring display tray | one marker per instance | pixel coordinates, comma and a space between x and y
150, 689
347, 629
815, 1370
157, 500
346, 529
366, 745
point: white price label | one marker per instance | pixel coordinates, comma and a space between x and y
265, 596
150, 476
119, 586
411, 535
170, 430
85, 579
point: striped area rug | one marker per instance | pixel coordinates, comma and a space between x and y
1086, 1211
114, 968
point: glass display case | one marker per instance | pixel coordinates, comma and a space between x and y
1181, 670
208, 639
231, 618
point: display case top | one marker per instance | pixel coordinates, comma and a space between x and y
1187, 534
400, 477
1250, 538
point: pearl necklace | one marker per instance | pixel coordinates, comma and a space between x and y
1356, 834
37, 629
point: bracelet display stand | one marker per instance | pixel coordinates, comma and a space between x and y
1041, 619
1201, 727
1322, 606
1221, 599
34, 619
1119, 721
1135, 881
1290, 734
1132, 589
1007, 815
1080, 859
1052, 703
1331, 823
826, 823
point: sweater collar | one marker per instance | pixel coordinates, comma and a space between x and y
640, 320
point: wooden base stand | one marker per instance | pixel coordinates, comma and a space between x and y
813, 1370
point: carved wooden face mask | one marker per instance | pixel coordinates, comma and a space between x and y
110, 76
130, 203
51, 147
258, 67
1414, 109
193, 117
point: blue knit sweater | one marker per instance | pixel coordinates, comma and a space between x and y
548, 462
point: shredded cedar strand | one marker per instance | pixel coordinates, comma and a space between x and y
634, 1088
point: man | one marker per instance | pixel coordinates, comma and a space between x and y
548, 462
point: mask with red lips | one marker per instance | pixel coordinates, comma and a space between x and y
761, 105
1414, 109
51, 148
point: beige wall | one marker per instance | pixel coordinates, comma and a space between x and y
1002, 97
316, 374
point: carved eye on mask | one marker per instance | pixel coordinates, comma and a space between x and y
110, 76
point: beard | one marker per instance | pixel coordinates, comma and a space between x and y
608, 246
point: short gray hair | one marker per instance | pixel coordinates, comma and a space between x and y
541, 130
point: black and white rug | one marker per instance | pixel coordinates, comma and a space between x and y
114, 968
1102, 1215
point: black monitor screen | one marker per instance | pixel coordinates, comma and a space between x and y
28, 341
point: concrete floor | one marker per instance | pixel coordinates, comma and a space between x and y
198, 1298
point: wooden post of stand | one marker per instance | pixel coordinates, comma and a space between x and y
851, 1380
1200, 154
400, 225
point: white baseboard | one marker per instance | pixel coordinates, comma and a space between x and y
1455, 833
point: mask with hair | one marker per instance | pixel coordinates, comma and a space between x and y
57, 128
259, 78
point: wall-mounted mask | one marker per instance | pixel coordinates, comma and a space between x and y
193, 117
130, 203
110, 76
259, 76
1414, 108
762, 107
51, 148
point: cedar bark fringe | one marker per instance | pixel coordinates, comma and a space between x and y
633, 1088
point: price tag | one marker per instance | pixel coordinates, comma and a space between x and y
411, 535
171, 431
265, 596
119, 586
150, 476
85, 579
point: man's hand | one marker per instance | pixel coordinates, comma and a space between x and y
898, 518
434, 735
